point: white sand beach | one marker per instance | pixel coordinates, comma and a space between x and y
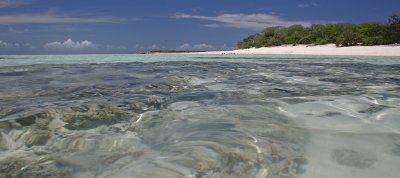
329, 49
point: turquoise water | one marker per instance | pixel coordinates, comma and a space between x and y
16, 60
199, 116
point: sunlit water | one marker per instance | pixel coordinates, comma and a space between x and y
199, 116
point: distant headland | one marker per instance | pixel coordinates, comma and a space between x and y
340, 34
168, 52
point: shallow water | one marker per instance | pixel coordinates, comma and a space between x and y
199, 116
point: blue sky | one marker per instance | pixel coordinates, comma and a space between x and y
127, 26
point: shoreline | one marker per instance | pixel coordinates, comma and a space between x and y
329, 49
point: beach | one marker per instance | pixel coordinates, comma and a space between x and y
329, 49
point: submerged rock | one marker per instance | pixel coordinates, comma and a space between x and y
36, 137
91, 116
353, 158
85, 116
215, 140
5, 111
44, 169
10, 168
169, 85
137, 106
43, 136
155, 101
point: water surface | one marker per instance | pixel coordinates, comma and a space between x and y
199, 116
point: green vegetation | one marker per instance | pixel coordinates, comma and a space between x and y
341, 34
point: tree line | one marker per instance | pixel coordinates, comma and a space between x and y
341, 34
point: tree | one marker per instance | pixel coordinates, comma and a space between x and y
372, 33
294, 34
393, 29
394, 19
342, 34
247, 42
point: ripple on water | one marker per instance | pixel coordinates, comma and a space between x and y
238, 117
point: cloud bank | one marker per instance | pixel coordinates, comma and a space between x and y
243, 21
49, 18
13, 30
4, 44
202, 46
70, 44
7, 45
313, 4
11, 3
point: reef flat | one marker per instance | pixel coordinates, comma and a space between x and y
201, 117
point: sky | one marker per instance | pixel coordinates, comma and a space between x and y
129, 26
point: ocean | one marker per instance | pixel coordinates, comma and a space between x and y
200, 116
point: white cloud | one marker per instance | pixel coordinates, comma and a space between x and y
11, 3
8, 45
184, 46
154, 47
202, 46
214, 25
4, 44
244, 21
70, 44
226, 47
150, 47
195, 47
313, 4
50, 18
13, 30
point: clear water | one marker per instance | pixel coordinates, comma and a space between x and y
199, 116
